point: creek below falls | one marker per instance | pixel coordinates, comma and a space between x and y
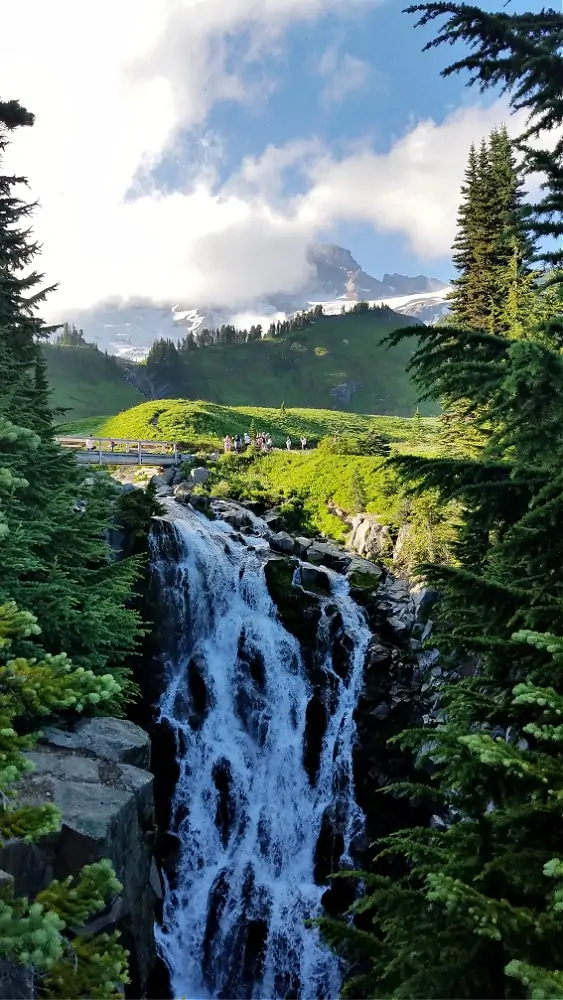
263, 737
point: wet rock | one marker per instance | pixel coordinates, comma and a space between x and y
377, 655
325, 554
315, 580
282, 542
299, 610
381, 711
200, 502
232, 513
273, 519
301, 546
400, 628
342, 650
182, 492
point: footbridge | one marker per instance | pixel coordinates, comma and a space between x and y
121, 451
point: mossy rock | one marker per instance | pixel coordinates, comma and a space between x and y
362, 580
299, 611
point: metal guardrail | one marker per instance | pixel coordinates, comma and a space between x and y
121, 451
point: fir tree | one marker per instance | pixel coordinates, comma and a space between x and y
54, 562
469, 910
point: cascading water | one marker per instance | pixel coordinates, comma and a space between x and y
245, 810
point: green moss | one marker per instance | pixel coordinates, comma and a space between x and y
363, 580
298, 610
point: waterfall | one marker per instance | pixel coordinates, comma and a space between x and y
246, 812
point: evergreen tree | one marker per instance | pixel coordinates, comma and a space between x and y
469, 909
54, 562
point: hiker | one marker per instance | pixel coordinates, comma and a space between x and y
238, 444
89, 444
228, 444
303, 443
246, 439
112, 446
288, 443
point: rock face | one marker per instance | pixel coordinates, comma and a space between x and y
199, 476
370, 537
96, 773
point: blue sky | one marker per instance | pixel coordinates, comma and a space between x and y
402, 86
223, 136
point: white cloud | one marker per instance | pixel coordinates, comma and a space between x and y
344, 75
112, 84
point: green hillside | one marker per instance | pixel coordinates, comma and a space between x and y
86, 382
204, 425
303, 368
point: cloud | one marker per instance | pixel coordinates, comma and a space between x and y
113, 86
344, 75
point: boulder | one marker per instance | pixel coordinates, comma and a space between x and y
301, 546
424, 599
232, 513
273, 519
112, 739
282, 542
199, 476
327, 554
377, 655
167, 475
183, 492
370, 537
315, 580
90, 772
363, 574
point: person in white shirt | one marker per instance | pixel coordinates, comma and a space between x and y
288, 443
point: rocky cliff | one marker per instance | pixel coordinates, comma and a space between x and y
97, 772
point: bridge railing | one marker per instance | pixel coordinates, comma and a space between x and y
105, 447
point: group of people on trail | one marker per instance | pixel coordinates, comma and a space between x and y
289, 443
237, 443
263, 442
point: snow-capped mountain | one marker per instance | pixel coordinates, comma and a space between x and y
129, 331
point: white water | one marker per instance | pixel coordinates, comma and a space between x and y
244, 883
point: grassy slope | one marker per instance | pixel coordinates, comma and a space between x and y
302, 369
86, 383
321, 477
200, 424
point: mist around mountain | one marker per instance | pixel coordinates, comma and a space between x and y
129, 330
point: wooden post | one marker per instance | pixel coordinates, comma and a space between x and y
99, 452
175, 454
140, 453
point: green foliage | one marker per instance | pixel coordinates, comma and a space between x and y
370, 443
134, 511
57, 564
87, 382
466, 906
31, 689
303, 366
202, 426
46, 935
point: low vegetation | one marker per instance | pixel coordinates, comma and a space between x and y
86, 382
202, 425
